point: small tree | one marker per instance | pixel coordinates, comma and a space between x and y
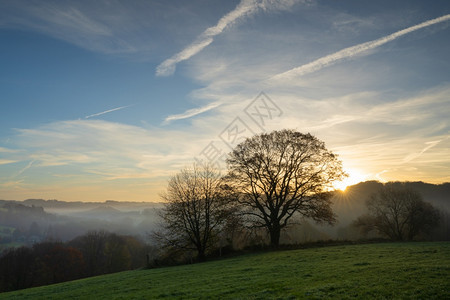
195, 210
280, 174
398, 213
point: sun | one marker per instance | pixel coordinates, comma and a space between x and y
354, 176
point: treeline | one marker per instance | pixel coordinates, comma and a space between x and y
95, 253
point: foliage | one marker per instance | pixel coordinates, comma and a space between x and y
44, 263
195, 211
398, 213
377, 271
52, 262
283, 173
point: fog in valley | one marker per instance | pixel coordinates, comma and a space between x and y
36, 220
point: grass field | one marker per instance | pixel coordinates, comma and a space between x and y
401, 270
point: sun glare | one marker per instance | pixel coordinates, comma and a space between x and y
354, 177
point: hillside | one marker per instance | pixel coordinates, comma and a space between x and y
403, 270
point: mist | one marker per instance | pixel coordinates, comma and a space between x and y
36, 220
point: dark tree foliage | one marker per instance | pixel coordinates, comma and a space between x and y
92, 245
195, 210
44, 263
16, 270
106, 252
55, 262
283, 173
398, 213
97, 252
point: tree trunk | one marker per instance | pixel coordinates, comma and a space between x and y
275, 236
201, 255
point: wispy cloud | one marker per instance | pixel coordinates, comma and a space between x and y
98, 151
7, 161
94, 27
379, 177
191, 112
364, 108
243, 9
25, 168
12, 183
107, 144
106, 111
350, 52
428, 146
7, 150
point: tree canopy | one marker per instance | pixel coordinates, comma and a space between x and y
280, 174
398, 213
195, 209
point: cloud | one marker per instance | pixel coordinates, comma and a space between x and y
428, 146
244, 9
191, 112
379, 177
7, 161
383, 157
7, 150
167, 67
376, 131
409, 111
107, 146
350, 52
25, 168
107, 111
12, 184
95, 27
98, 152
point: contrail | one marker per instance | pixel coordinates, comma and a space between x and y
25, 168
430, 145
244, 8
191, 112
106, 111
352, 51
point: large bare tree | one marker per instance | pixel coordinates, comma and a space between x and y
195, 209
283, 173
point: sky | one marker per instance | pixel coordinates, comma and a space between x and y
105, 100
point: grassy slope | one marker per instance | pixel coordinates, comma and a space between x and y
413, 270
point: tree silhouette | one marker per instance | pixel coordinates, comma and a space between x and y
280, 174
194, 211
398, 213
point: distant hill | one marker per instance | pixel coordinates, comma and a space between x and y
352, 201
104, 209
103, 212
61, 206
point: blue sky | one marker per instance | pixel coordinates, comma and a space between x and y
106, 99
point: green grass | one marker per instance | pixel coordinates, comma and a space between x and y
381, 271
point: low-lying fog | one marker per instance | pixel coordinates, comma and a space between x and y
35, 220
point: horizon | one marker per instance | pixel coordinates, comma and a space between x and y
161, 201
108, 101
